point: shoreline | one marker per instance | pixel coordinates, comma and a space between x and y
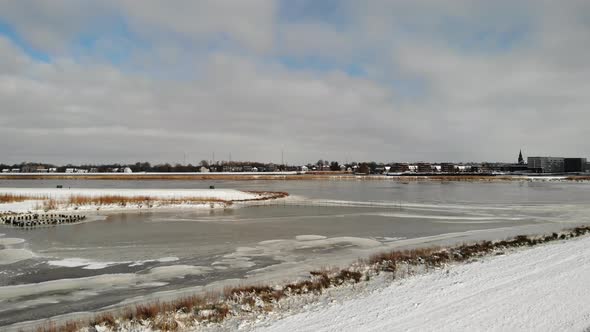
292, 176
250, 301
18, 201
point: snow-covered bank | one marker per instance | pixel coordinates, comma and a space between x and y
409, 288
540, 289
65, 199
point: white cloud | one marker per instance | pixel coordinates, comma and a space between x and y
181, 95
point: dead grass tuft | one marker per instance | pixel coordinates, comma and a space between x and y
147, 311
11, 198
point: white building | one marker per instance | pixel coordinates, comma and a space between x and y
127, 170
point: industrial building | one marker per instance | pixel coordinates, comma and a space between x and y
574, 165
546, 164
557, 165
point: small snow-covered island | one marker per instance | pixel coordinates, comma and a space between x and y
33, 206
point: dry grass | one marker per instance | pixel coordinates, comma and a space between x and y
436, 257
578, 178
71, 326
106, 318
110, 200
80, 200
50, 204
266, 195
148, 311
11, 198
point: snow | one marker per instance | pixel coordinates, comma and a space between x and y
57, 193
155, 194
540, 289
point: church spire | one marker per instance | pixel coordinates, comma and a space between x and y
520, 158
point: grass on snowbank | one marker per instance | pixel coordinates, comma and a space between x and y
233, 301
123, 201
11, 198
49, 204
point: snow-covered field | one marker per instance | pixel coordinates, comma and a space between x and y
540, 289
39, 195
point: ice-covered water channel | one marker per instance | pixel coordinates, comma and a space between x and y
133, 256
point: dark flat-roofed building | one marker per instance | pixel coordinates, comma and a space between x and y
574, 165
546, 164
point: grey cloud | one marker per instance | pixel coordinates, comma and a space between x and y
475, 105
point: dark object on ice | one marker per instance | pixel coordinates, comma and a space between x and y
211, 187
59, 186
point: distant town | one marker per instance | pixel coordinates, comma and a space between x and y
532, 165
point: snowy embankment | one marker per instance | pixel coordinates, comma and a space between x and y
539, 289
21, 200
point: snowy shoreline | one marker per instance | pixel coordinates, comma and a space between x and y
541, 289
301, 176
421, 275
56, 200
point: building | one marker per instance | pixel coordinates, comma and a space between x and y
574, 165
546, 164
424, 168
447, 168
520, 158
399, 168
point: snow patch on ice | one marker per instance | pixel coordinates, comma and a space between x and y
10, 256
309, 237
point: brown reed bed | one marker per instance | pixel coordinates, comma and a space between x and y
80, 200
12, 198
578, 178
233, 301
266, 195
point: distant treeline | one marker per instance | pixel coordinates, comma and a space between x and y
222, 166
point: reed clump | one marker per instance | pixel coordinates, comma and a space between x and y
80, 200
14, 198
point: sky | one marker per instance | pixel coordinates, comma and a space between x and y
97, 81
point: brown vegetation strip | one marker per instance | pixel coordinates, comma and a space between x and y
215, 308
105, 200
250, 177
11, 198
124, 200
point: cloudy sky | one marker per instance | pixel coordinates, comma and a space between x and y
86, 81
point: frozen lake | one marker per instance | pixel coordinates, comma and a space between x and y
126, 257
